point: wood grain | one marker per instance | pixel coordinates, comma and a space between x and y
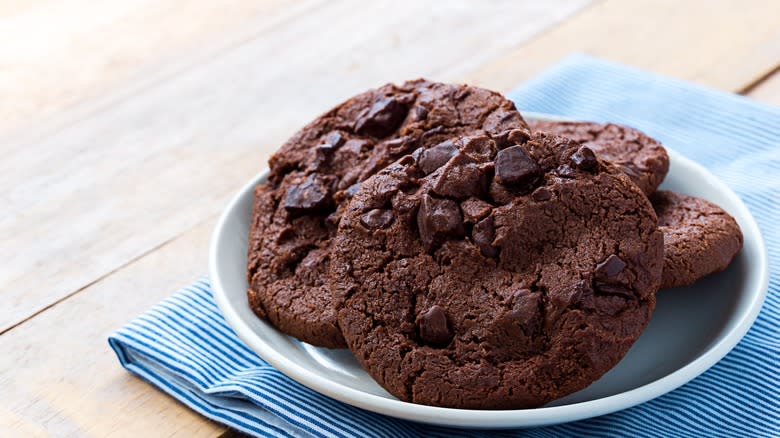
87, 194
54, 54
724, 44
59, 377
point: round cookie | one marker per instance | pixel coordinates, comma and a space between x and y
313, 174
510, 275
640, 157
700, 238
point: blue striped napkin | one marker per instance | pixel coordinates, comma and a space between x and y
184, 347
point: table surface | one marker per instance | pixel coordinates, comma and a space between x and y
126, 126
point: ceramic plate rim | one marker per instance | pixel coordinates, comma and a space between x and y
496, 419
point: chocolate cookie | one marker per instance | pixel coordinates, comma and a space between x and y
313, 174
641, 158
515, 272
700, 238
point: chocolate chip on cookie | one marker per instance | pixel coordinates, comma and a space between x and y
311, 195
514, 167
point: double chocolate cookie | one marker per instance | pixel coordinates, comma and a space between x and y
700, 238
495, 272
313, 175
640, 157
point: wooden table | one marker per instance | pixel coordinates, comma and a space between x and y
126, 126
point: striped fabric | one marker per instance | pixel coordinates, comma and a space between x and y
184, 347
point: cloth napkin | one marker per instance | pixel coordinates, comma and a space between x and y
184, 347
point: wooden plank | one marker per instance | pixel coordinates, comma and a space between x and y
59, 377
57, 53
724, 44
84, 196
767, 90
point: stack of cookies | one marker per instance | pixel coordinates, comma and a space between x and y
467, 258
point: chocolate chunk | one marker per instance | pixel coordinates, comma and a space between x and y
610, 267
600, 301
438, 219
541, 194
312, 195
525, 311
512, 137
460, 178
383, 118
419, 113
483, 234
435, 157
584, 159
433, 326
612, 289
377, 218
326, 148
475, 209
516, 168
333, 140
582, 293
517, 328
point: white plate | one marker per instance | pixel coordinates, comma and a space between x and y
692, 328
